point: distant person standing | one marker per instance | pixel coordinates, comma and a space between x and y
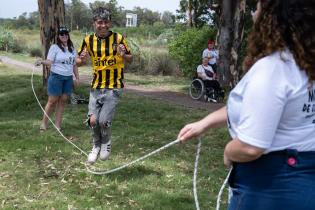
61, 57
212, 54
108, 51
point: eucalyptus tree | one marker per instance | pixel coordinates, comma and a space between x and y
234, 20
195, 13
168, 18
117, 12
78, 15
52, 15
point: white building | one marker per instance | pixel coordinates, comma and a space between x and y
131, 20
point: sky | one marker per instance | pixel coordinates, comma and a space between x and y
14, 8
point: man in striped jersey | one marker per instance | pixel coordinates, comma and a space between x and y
108, 52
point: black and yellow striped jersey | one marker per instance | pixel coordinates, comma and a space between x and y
108, 64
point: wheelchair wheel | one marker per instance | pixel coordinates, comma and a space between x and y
196, 89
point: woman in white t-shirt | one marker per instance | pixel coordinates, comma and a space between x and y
208, 75
61, 57
271, 112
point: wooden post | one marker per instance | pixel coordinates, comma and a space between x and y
52, 15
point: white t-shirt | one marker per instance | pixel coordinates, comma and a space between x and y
273, 106
62, 62
202, 69
214, 54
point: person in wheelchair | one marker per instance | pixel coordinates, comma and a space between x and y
213, 88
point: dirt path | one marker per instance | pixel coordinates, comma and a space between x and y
159, 94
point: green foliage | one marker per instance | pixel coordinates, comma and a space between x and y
9, 42
18, 46
36, 52
150, 57
149, 49
187, 48
168, 18
78, 15
196, 12
142, 31
162, 64
117, 13
146, 16
6, 39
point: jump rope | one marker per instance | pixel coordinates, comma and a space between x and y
104, 172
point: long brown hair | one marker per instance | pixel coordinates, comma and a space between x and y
284, 24
69, 44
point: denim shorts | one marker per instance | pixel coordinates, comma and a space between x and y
282, 180
59, 85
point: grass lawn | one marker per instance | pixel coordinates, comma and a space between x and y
43, 171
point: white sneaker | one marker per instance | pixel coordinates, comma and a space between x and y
212, 100
105, 150
93, 154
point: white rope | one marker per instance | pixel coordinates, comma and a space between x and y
222, 188
195, 174
132, 162
50, 119
139, 159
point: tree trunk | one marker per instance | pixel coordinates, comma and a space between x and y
238, 32
52, 15
190, 14
232, 19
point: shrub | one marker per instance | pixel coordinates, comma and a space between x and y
187, 48
136, 64
6, 39
18, 46
36, 52
162, 64
8, 42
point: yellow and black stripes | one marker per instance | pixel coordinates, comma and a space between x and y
108, 65
102, 79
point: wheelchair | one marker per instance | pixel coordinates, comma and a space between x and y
199, 91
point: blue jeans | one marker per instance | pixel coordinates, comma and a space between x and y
282, 180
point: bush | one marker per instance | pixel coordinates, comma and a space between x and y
18, 46
162, 64
6, 39
10, 43
187, 48
137, 63
36, 52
